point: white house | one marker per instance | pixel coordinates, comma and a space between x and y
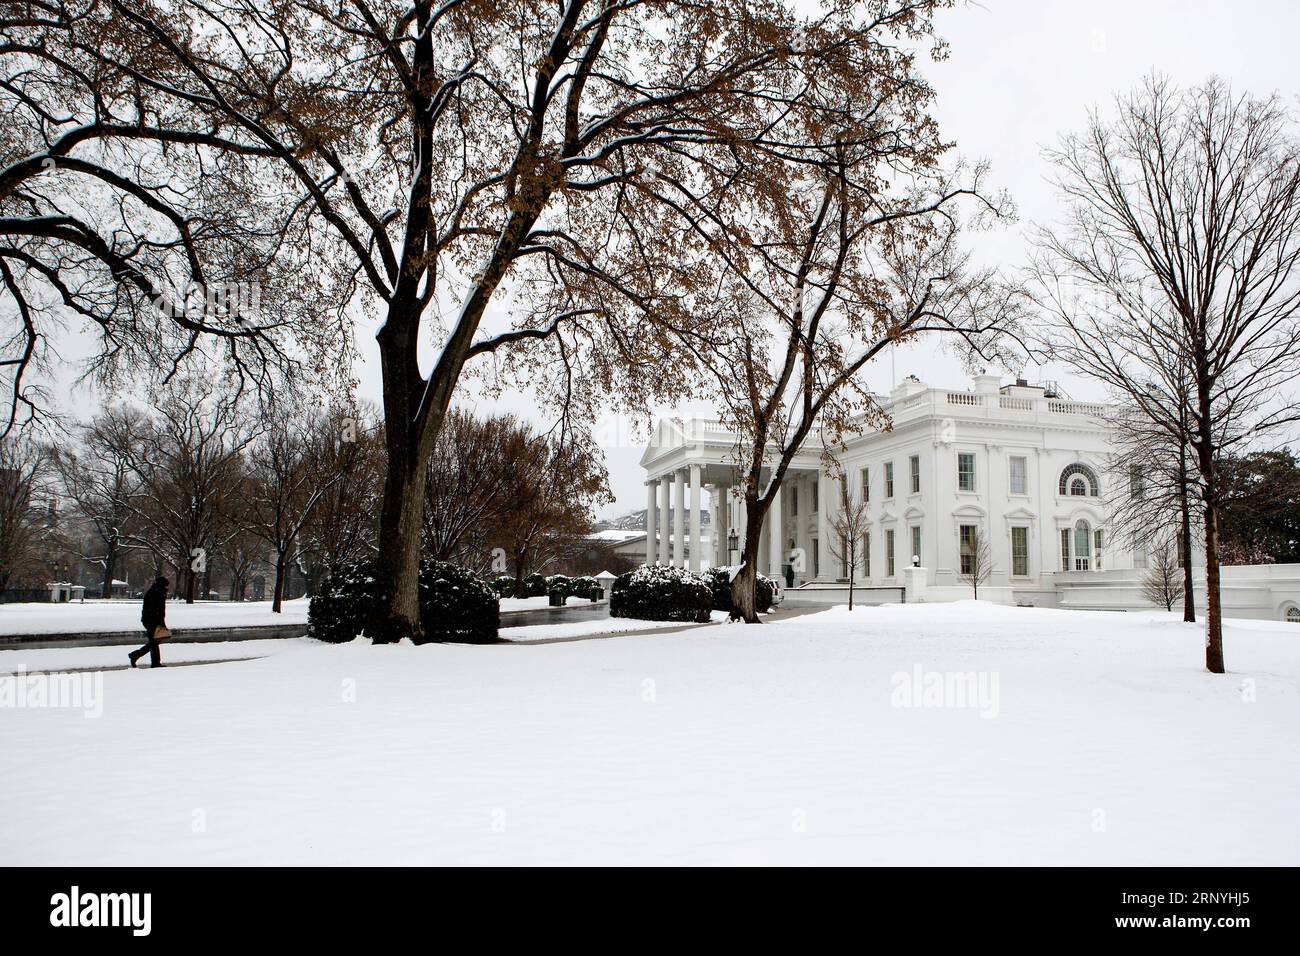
1011, 463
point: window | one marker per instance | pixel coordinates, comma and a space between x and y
889, 479
1136, 485
866, 485
1140, 558
866, 554
1082, 545
1018, 471
966, 471
817, 558
1020, 552
889, 552
916, 544
914, 463
1293, 615
1065, 549
816, 493
844, 559
794, 499
1081, 477
1097, 545
968, 534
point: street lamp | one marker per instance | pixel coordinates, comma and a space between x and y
733, 544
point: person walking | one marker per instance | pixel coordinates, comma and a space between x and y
153, 617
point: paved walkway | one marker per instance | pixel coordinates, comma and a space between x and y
127, 667
781, 614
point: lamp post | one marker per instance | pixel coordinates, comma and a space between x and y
733, 544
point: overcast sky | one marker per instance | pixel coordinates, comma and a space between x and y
1019, 73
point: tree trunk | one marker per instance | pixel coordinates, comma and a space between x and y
1189, 595
191, 583
1213, 610
400, 521
110, 559
278, 597
744, 586
853, 568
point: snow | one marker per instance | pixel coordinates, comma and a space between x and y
1099, 740
528, 603
616, 534
75, 617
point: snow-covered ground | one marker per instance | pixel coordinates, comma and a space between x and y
76, 617
835, 737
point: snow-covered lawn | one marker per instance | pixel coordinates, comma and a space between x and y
76, 617
1090, 738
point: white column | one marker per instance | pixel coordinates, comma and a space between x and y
696, 547
679, 518
663, 520
651, 525
724, 525
824, 567
774, 542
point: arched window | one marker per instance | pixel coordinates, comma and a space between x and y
1079, 480
1293, 615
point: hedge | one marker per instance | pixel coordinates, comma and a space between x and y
656, 592
720, 580
455, 604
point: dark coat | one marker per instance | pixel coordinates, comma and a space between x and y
155, 607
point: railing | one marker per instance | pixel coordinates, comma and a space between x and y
1016, 404
1075, 408
964, 398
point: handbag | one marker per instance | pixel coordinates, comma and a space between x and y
161, 633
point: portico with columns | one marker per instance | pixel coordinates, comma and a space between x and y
687, 461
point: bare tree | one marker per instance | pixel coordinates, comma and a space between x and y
849, 269
300, 454
1153, 485
24, 493
97, 475
475, 475
849, 526
552, 486
343, 526
1184, 236
187, 469
1163, 584
137, 218
976, 557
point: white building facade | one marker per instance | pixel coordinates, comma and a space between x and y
1008, 464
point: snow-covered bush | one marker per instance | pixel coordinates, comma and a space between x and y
455, 604
504, 585
343, 603
720, 580
534, 586
587, 587
657, 592
561, 583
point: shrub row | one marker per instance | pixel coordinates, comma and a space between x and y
455, 604
537, 586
